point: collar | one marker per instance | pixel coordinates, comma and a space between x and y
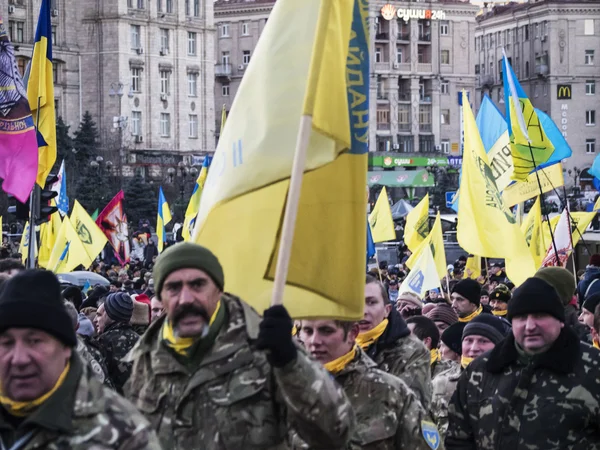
500, 313
465, 361
116, 326
596, 344
436, 356
339, 364
366, 339
472, 315
360, 363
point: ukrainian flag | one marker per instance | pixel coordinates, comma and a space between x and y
311, 62
162, 218
40, 92
192, 210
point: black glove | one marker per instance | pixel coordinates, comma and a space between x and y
275, 335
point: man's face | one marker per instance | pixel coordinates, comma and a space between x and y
498, 305
189, 297
101, 321
393, 287
156, 309
586, 317
536, 332
475, 345
448, 354
461, 305
434, 294
113, 288
484, 299
31, 362
375, 310
325, 340
441, 326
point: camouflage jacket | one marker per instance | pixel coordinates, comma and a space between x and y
444, 385
400, 353
81, 415
441, 366
116, 341
388, 414
235, 400
506, 400
94, 358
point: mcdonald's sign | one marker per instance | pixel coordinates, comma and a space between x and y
563, 92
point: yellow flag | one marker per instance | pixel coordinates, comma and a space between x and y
24, 247
417, 224
311, 61
550, 178
435, 242
68, 251
48, 234
534, 235
380, 219
486, 227
91, 236
580, 221
473, 267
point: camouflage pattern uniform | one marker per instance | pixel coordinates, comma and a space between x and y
508, 400
235, 399
400, 353
81, 415
389, 416
444, 385
92, 355
441, 366
116, 341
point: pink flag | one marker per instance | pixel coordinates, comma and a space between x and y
563, 241
113, 222
18, 142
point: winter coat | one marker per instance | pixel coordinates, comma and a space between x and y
591, 273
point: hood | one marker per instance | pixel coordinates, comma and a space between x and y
395, 330
591, 272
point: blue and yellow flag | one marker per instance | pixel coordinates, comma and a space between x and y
529, 145
90, 234
40, 93
312, 60
162, 218
68, 252
192, 210
381, 221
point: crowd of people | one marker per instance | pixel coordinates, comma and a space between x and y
164, 358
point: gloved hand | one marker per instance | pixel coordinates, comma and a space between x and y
275, 335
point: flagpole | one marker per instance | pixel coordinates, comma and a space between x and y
291, 210
33, 202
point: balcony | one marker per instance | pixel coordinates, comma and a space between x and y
404, 96
425, 36
424, 68
383, 126
541, 70
425, 97
223, 70
486, 80
403, 36
404, 126
402, 67
382, 95
425, 127
383, 36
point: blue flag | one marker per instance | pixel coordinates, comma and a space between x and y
60, 187
370, 243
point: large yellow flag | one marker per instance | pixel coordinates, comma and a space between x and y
417, 224
68, 252
580, 221
48, 234
435, 241
534, 235
486, 227
380, 219
90, 235
312, 60
473, 267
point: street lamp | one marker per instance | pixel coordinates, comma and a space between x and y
183, 173
435, 171
120, 121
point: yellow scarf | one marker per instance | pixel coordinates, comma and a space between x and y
596, 344
22, 409
364, 340
294, 330
500, 313
435, 356
337, 365
182, 345
465, 361
471, 316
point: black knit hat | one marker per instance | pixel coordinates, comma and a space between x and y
469, 289
32, 299
535, 296
452, 337
501, 293
487, 326
591, 302
119, 306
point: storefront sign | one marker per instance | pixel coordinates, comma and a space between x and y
564, 122
389, 11
563, 92
408, 161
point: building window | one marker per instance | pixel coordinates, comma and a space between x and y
21, 66
425, 117
246, 57
378, 53
245, 29
535, 90
191, 44
136, 79
491, 68
499, 39
590, 117
225, 58
135, 37
20, 35
445, 87
545, 89
588, 27
55, 73
526, 69
225, 90
383, 119
445, 146
444, 27
590, 87
445, 57
159, 5
406, 143
196, 8
426, 143
140, 4
164, 40
136, 123
193, 126
192, 84
165, 82
130, 3
170, 6
224, 30
165, 124
526, 32
399, 55
590, 145
476, 69
187, 7
589, 57
445, 117
536, 27
404, 117
54, 41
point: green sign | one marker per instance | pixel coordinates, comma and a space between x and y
400, 178
398, 160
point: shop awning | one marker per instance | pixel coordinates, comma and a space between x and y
400, 178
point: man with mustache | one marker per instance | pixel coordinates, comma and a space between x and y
538, 387
210, 374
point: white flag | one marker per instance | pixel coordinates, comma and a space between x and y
563, 241
423, 275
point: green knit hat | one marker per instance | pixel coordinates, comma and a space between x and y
561, 279
186, 255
